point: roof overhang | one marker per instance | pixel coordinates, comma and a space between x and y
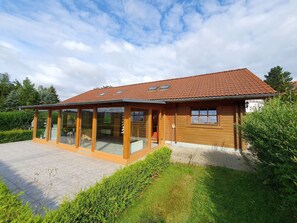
235, 97
124, 100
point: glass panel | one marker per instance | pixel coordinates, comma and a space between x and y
203, 120
138, 138
41, 124
212, 112
54, 126
68, 126
110, 130
203, 112
195, 119
212, 119
195, 112
86, 128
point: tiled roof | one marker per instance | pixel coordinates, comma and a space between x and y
295, 84
238, 82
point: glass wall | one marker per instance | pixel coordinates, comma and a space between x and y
54, 126
139, 125
110, 130
41, 124
86, 128
68, 126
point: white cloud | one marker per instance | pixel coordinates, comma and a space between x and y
73, 45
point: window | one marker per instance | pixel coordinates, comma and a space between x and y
119, 92
137, 116
153, 88
204, 116
164, 87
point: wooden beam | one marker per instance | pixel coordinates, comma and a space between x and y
127, 132
149, 128
160, 128
94, 129
78, 127
59, 126
35, 124
48, 125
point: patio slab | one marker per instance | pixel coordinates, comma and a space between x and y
211, 157
47, 174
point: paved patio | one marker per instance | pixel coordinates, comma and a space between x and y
211, 157
47, 174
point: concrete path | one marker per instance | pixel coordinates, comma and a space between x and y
210, 156
47, 174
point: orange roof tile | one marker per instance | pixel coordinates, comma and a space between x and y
238, 82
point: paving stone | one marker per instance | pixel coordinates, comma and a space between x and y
47, 174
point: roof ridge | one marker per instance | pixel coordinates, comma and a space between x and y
177, 78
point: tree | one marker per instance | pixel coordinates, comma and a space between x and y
48, 95
5, 88
279, 80
28, 95
12, 101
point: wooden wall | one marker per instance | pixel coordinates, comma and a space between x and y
221, 134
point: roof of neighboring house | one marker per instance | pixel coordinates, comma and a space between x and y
295, 84
233, 83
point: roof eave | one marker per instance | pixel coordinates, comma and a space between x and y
125, 100
250, 96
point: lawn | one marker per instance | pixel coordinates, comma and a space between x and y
185, 193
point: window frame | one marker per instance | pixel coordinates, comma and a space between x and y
198, 115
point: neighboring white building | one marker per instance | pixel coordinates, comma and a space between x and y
253, 105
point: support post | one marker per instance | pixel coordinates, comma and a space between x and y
59, 126
48, 125
127, 132
35, 124
149, 128
78, 126
94, 129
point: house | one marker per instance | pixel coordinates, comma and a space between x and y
125, 123
294, 86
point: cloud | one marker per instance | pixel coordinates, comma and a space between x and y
80, 45
73, 45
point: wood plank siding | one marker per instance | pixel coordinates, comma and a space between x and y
221, 134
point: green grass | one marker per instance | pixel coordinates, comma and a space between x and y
185, 193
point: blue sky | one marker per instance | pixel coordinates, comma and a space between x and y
78, 45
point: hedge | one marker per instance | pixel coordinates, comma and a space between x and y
12, 209
106, 200
272, 134
15, 120
15, 135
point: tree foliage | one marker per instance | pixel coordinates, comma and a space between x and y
272, 135
279, 80
15, 93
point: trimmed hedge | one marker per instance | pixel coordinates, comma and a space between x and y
272, 134
106, 200
15, 135
12, 209
15, 120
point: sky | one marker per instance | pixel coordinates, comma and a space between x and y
78, 45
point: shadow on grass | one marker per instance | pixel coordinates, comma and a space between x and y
28, 190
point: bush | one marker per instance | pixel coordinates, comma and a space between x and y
272, 134
106, 200
15, 120
15, 135
12, 209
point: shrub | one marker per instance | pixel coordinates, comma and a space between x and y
106, 200
272, 134
15, 120
12, 209
15, 135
